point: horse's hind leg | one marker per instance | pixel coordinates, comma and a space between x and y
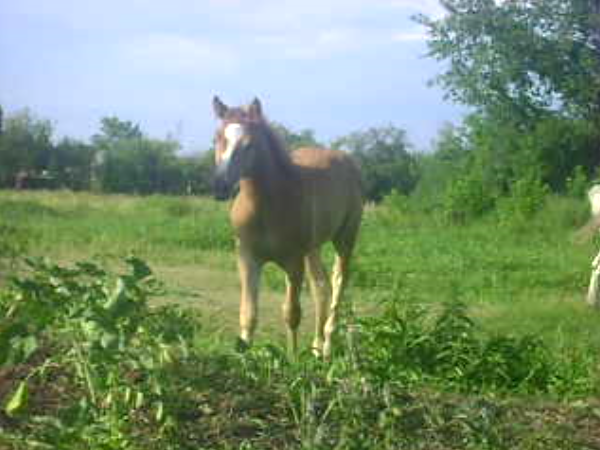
344, 245
292, 312
320, 292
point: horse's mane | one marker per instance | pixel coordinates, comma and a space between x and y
278, 149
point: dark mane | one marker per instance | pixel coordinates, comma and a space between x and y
277, 147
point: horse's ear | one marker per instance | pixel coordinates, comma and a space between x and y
255, 109
219, 107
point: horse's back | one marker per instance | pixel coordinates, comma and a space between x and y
324, 163
332, 190
333, 172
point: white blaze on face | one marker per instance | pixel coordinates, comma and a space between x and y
233, 134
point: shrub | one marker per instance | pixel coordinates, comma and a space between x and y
14, 242
468, 197
89, 340
577, 184
409, 345
527, 197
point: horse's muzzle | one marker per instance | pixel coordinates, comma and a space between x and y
226, 180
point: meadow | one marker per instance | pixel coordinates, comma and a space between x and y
470, 335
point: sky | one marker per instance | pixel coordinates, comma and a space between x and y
333, 66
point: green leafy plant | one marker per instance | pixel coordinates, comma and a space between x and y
527, 197
409, 345
468, 197
14, 243
98, 332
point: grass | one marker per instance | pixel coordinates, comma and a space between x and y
508, 277
516, 279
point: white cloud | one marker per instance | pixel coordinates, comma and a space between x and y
410, 36
179, 54
313, 44
431, 8
216, 35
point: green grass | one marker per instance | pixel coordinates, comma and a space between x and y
526, 278
156, 227
518, 279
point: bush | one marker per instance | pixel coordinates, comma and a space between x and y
409, 346
577, 184
14, 242
92, 351
468, 197
526, 198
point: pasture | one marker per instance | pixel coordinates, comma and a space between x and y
455, 336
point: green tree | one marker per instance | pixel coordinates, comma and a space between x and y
113, 130
296, 139
450, 158
71, 164
129, 162
527, 56
26, 146
385, 159
527, 68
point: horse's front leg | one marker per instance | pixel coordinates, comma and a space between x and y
292, 311
249, 270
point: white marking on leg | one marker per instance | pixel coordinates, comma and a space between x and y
249, 271
592, 297
337, 282
320, 292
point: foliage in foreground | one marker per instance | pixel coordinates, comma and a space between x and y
85, 362
448, 350
88, 362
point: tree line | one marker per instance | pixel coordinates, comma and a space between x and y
121, 158
529, 71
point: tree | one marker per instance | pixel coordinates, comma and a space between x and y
293, 139
26, 146
129, 162
526, 67
71, 164
113, 130
385, 159
530, 56
450, 158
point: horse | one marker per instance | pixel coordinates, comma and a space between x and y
286, 206
593, 225
594, 199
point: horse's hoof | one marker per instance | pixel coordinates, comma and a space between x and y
241, 346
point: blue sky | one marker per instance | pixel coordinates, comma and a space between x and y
334, 66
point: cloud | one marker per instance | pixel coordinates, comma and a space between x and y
410, 36
311, 44
176, 53
431, 8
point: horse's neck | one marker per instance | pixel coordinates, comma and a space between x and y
274, 183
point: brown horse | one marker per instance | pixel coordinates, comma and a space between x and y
287, 207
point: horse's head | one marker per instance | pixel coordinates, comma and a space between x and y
233, 144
